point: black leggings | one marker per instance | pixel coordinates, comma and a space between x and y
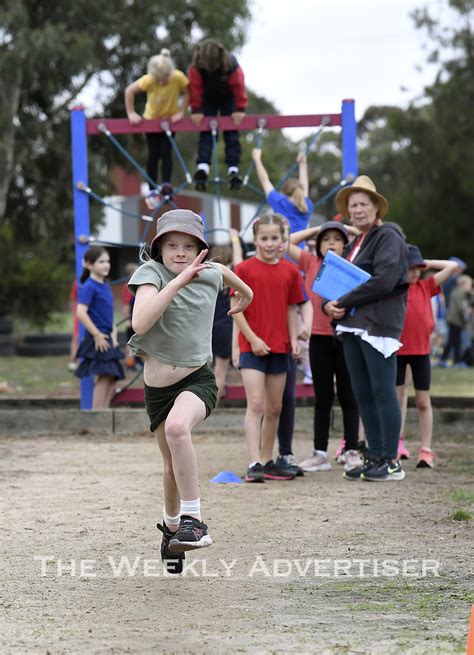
327, 359
159, 147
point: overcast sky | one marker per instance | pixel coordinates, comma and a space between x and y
307, 55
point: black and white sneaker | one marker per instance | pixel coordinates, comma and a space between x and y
255, 473
173, 562
290, 463
385, 471
359, 472
200, 180
235, 181
191, 534
272, 471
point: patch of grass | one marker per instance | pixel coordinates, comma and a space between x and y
462, 496
452, 382
462, 515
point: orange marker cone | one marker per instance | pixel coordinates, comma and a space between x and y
470, 635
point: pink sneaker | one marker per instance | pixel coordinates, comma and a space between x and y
403, 452
340, 455
425, 459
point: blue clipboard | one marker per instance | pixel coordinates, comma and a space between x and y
337, 276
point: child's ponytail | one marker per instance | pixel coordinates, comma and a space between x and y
293, 189
161, 65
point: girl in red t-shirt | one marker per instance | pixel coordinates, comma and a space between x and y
268, 333
416, 348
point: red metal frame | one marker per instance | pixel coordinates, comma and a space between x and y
250, 122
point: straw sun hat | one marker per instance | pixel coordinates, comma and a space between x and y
365, 184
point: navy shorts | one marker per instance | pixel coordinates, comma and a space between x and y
420, 368
271, 364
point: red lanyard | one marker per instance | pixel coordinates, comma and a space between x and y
355, 250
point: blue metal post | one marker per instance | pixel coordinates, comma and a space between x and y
81, 217
349, 141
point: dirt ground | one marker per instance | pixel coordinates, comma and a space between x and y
272, 582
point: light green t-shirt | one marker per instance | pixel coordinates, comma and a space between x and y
182, 336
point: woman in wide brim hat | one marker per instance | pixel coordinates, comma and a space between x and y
370, 321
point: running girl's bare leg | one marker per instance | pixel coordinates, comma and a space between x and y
254, 383
188, 410
221, 366
425, 417
170, 488
102, 392
274, 387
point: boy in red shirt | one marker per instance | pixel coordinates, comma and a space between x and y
415, 351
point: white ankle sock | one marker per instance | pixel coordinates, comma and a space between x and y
191, 508
203, 167
171, 521
323, 453
232, 169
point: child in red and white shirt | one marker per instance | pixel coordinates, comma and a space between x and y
415, 351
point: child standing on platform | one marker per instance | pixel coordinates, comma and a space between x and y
164, 85
268, 333
416, 348
98, 350
217, 86
293, 203
176, 293
326, 353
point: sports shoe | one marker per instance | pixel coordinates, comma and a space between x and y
273, 472
384, 471
200, 180
357, 473
340, 456
316, 462
353, 460
152, 200
235, 181
191, 534
166, 189
255, 473
290, 463
308, 380
403, 452
173, 562
425, 459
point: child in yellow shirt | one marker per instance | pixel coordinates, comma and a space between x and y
164, 86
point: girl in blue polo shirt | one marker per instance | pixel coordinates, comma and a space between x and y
293, 203
99, 351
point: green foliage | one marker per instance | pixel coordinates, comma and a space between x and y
49, 51
462, 515
422, 157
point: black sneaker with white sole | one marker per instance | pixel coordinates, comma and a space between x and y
360, 471
255, 473
385, 471
200, 180
235, 181
191, 534
173, 561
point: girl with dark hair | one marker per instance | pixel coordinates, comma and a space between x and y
99, 351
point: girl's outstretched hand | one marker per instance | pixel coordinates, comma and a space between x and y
241, 306
256, 154
192, 271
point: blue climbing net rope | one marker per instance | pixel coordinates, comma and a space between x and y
167, 199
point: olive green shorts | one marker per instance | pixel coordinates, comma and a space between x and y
159, 401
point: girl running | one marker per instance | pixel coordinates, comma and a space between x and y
99, 351
268, 333
176, 293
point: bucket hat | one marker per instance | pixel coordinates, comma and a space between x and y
184, 221
330, 225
